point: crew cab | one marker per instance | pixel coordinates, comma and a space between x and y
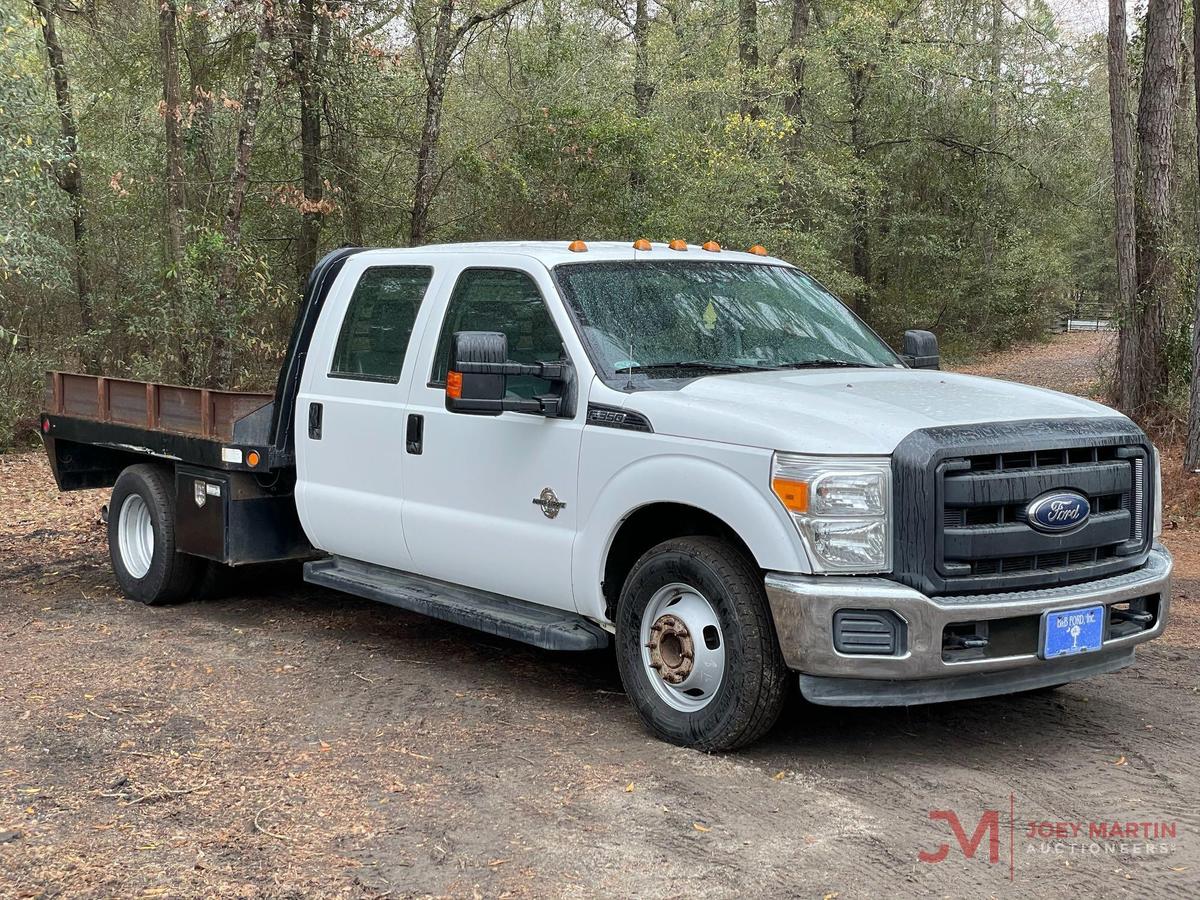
700, 457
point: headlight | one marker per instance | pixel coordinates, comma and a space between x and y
842, 507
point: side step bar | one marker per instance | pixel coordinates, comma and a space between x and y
550, 629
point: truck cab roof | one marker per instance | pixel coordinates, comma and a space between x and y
552, 253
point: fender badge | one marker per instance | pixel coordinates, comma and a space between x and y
198, 493
549, 503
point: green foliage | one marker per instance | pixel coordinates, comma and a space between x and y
967, 164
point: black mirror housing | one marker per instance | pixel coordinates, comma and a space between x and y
921, 350
480, 390
478, 372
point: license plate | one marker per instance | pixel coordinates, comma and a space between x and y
1071, 631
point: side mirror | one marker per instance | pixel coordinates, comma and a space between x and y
479, 370
475, 382
921, 350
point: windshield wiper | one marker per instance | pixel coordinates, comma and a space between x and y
829, 364
697, 365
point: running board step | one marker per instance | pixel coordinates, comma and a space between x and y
550, 629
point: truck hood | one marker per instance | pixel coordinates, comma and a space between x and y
864, 411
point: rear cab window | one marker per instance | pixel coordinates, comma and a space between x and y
378, 324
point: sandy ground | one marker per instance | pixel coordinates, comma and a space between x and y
288, 742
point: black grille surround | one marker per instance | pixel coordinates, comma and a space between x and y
959, 495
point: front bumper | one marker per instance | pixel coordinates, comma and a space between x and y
925, 670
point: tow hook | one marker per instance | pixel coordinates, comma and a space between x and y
958, 642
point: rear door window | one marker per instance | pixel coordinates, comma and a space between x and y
379, 322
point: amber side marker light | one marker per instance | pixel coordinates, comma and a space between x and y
677, 244
252, 458
711, 247
454, 385
577, 247
641, 244
758, 250
792, 494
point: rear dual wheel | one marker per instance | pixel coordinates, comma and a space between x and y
141, 539
696, 645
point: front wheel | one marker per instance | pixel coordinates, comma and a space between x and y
696, 645
141, 538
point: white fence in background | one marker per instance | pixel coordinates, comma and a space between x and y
1088, 325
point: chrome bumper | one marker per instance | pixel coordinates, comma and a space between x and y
803, 608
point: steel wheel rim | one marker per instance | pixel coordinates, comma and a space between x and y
135, 536
687, 623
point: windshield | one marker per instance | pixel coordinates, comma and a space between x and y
685, 319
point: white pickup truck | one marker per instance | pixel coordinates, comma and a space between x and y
699, 456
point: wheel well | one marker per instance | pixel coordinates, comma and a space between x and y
84, 466
652, 525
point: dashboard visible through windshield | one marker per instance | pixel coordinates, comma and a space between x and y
646, 320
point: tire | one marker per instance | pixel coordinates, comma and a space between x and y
701, 584
146, 563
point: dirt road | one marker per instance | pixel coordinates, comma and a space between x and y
287, 742
1065, 362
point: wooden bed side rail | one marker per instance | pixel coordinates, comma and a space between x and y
146, 404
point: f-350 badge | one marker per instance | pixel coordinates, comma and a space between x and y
549, 503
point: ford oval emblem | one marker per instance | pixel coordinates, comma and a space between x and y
1059, 511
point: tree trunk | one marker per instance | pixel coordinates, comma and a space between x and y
1152, 200
200, 88
344, 159
749, 104
860, 228
446, 40
309, 41
643, 88
69, 175
173, 122
1191, 457
239, 179
991, 162
1126, 241
437, 71
793, 104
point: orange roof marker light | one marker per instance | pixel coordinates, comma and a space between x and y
711, 247
677, 244
758, 250
577, 247
641, 244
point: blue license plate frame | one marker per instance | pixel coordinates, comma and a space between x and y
1071, 632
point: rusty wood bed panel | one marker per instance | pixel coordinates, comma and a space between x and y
166, 407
